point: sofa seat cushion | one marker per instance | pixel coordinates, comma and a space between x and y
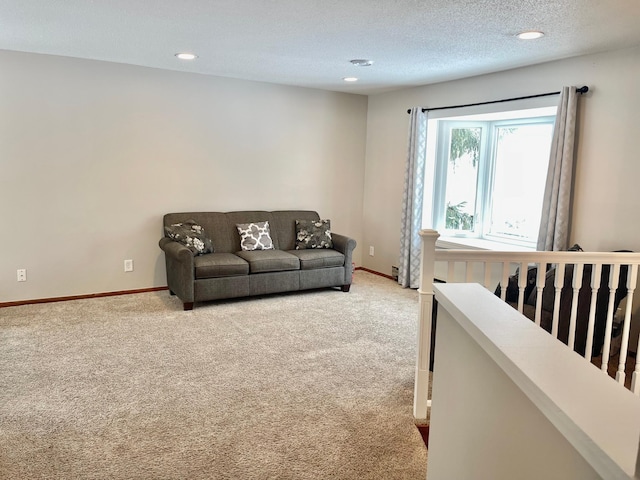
213, 265
318, 258
261, 261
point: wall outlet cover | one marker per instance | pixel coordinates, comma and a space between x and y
22, 274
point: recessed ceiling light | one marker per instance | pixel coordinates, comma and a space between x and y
186, 56
530, 35
361, 62
350, 79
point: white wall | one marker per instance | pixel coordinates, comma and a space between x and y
606, 199
484, 427
510, 401
92, 154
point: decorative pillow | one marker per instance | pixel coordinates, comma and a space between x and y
313, 234
255, 236
191, 235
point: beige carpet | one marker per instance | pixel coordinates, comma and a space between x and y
312, 385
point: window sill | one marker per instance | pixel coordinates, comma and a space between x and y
452, 243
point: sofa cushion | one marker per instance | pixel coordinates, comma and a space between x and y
191, 235
255, 236
313, 234
269, 260
216, 265
318, 258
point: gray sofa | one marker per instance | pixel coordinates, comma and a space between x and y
230, 272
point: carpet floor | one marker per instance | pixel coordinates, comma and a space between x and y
311, 385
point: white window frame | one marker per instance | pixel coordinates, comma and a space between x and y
486, 221
439, 187
433, 201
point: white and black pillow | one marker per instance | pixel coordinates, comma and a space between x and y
191, 235
255, 236
313, 234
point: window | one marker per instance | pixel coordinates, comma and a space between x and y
489, 175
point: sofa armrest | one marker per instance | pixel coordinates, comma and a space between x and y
345, 245
180, 269
176, 250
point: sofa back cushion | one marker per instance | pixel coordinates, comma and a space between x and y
221, 227
284, 226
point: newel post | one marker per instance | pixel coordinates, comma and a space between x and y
425, 291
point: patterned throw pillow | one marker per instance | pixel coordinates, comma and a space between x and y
313, 234
255, 236
191, 235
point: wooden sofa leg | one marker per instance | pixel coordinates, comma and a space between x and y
345, 288
188, 305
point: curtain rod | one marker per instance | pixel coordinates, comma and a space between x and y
580, 90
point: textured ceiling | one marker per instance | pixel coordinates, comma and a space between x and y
310, 42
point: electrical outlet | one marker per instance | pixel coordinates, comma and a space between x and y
22, 274
371, 250
128, 265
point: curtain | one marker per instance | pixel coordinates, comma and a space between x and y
410, 244
554, 224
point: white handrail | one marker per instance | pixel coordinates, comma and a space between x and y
507, 261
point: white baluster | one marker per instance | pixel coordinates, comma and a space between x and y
596, 271
576, 283
504, 282
469, 272
632, 277
540, 280
614, 279
522, 283
558, 284
487, 275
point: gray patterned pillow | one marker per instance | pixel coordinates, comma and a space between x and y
313, 234
191, 235
255, 236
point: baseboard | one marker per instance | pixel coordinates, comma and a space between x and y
126, 292
80, 297
375, 273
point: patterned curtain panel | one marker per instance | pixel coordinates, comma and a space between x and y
554, 224
409, 265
